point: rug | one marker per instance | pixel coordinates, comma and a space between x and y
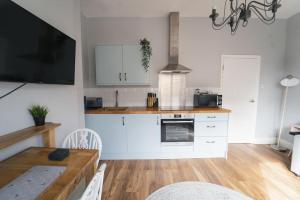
195, 191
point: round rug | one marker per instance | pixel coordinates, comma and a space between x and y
195, 191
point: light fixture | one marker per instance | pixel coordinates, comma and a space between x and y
240, 12
289, 81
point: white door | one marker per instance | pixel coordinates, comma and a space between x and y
240, 84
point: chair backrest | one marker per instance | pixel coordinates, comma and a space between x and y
83, 139
94, 189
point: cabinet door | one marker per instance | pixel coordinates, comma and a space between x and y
134, 72
111, 130
143, 133
108, 64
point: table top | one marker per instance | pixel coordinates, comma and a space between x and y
77, 164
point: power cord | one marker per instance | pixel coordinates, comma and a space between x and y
23, 84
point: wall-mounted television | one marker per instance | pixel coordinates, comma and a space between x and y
31, 50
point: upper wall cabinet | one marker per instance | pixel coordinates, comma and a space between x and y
120, 65
109, 62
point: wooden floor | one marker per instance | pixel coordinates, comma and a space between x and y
255, 170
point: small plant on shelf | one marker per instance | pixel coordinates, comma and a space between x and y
38, 114
146, 50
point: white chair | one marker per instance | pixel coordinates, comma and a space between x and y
94, 189
83, 139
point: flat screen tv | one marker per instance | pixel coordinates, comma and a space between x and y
32, 51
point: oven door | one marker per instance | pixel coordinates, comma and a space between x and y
177, 131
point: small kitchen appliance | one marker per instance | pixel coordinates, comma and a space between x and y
206, 100
93, 102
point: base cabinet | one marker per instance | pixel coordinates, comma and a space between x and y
143, 133
111, 130
138, 136
211, 133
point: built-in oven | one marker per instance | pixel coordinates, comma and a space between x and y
177, 129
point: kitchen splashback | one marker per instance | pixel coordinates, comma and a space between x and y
172, 89
137, 96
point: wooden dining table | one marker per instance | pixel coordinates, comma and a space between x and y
78, 165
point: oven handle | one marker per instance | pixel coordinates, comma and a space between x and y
176, 122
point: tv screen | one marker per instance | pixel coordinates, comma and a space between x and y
32, 51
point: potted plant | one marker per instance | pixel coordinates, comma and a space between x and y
39, 114
146, 50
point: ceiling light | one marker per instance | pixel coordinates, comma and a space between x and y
241, 11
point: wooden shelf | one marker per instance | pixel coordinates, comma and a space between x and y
47, 131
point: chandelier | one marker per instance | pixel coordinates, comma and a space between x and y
240, 13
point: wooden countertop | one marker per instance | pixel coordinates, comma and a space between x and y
144, 110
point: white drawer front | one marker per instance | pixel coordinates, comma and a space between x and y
214, 128
210, 144
211, 117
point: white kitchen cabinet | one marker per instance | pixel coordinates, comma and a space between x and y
211, 128
111, 130
211, 133
109, 64
120, 65
211, 145
134, 72
211, 117
143, 133
138, 136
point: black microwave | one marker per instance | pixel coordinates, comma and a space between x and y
207, 101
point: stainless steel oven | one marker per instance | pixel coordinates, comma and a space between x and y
177, 129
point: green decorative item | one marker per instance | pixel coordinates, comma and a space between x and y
146, 50
39, 114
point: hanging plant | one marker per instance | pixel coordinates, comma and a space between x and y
146, 53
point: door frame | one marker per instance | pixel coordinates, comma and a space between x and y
252, 138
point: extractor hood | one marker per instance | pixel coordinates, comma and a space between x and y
174, 66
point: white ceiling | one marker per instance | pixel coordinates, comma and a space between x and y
161, 8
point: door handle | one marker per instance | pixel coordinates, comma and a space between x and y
210, 126
123, 121
120, 77
211, 117
210, 142
157, 120
125, 76
252, 101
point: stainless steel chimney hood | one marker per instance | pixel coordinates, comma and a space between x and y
174, 66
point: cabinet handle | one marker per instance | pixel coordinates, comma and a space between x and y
125, 76
210, 142
211, 117
210, 126
120, 76
123, 121
157, 120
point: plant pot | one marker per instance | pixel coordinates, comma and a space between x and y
39, 121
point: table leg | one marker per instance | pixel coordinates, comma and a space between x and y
49, 138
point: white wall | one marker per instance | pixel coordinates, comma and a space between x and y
200, 49
293, 67
65, 102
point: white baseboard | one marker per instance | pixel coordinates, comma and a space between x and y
265, 141
286, 144
283, 143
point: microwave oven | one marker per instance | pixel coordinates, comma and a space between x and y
207, 101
